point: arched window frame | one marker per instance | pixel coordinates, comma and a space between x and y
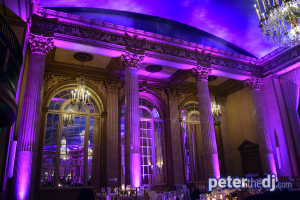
61, 113
187, 111
154, 121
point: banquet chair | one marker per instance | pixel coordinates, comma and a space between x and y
123, 195
98, 195
284, 178
297, 182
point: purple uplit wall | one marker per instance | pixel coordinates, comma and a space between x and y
234, 21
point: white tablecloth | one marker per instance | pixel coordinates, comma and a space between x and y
140, 196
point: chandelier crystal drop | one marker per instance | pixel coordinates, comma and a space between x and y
80, 97
279, 21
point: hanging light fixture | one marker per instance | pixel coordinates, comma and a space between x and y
64, 150
68, 120
81, 97
216, 111
279, 21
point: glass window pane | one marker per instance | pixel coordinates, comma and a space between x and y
49, 157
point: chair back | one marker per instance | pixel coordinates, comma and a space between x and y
284, 178
297, 182
98, 195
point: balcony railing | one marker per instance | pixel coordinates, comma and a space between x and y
10, 57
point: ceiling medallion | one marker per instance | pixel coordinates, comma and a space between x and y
211, 78
153, 68
83, 57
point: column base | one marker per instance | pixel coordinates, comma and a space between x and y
135, 170
268, 164
23, 185
211, 163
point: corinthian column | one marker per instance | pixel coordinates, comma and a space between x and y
113, 147
132, 62
209, 144
265, 146
24, 170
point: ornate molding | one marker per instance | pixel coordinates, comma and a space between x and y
112, 86
51, 80
173, 94
161, 93
113, 38
183, 96
132, 60
99, 85
40, 44
284, 60
121, 91
201, 73
134, 44
254, 83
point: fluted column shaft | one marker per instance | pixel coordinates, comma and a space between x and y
209, 144
24, 170
176, 141
133, 176
112, 161
265, 146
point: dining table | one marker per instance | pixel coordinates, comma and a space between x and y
140, 196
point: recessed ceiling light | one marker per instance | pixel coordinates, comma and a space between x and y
153, 68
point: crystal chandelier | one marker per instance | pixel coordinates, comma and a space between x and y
80, 98
64, 151
279, 21
68, 120
216, 111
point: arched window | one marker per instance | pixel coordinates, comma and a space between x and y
152, 144
192, 143
71, 146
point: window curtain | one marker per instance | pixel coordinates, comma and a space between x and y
290, 83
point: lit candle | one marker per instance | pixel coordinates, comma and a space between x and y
72, 95
258, 7
264, 3
257, 12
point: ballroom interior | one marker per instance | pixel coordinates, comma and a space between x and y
94, 97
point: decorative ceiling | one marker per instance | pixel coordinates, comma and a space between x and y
232, 20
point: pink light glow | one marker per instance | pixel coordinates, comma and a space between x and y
23, 171
135, 170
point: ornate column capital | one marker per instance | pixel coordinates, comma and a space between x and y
40, 44
173, 94
254, 83
112, 86
201, 73
132, 60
